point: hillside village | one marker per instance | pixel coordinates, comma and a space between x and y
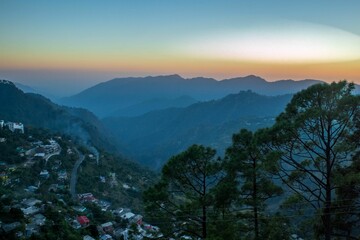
35, 199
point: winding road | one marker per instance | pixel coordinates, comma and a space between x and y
53, 154
74, 176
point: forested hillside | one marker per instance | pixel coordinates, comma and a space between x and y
35, 110
152, 138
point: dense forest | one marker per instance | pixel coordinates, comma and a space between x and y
297, 179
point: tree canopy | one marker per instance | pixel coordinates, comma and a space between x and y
182, 199
313, 136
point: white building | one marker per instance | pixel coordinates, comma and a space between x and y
1, 123
16, 127
128, 216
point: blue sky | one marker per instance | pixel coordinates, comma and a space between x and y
91, 41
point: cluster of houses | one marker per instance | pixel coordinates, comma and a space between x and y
43, 150
38, 150
5, 171
113, 230
32, 210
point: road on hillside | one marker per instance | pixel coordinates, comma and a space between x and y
53, 154
74, 176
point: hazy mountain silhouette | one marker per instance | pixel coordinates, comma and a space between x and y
153, 137
154, 104
110, 97
38, 111
25, 88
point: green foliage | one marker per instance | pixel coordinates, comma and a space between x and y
251, 166
98, 216
9, 149
208, 123
126, 172
59, 211
345, 207
276, 227
182, 201
315, 136
37, 111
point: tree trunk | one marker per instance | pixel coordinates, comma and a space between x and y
327, 210
327, 214
204, 222
256, 223
204, 206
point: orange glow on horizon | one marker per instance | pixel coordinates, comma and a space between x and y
190, 67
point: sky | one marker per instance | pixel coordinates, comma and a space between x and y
62, 47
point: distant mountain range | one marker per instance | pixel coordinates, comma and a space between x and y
38, 111
153, 137
154, 104
152, 118
25, 88
120, 96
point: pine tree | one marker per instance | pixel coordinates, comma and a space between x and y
251, 165
313, 136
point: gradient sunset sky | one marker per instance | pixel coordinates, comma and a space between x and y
65, 46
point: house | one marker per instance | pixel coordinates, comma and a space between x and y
31, 189
295, 237
118, 233
62, 175
83, 221
16, 127
53, 187
151, 232
100, 230
10, 227
137, 219
108, 227
105, 237
151, 227
122, 233
104, 205
86, 197
2, 123
19, 234
127, 216
39, 154
30, 210
31, 229
80, 209
44, 174
75, 224
102, 179
118, 212
30, 202
87, 237
38, 219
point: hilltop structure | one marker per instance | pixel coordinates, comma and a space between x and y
12, 126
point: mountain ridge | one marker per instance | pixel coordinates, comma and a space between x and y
155, 136
108, 97
38, 111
